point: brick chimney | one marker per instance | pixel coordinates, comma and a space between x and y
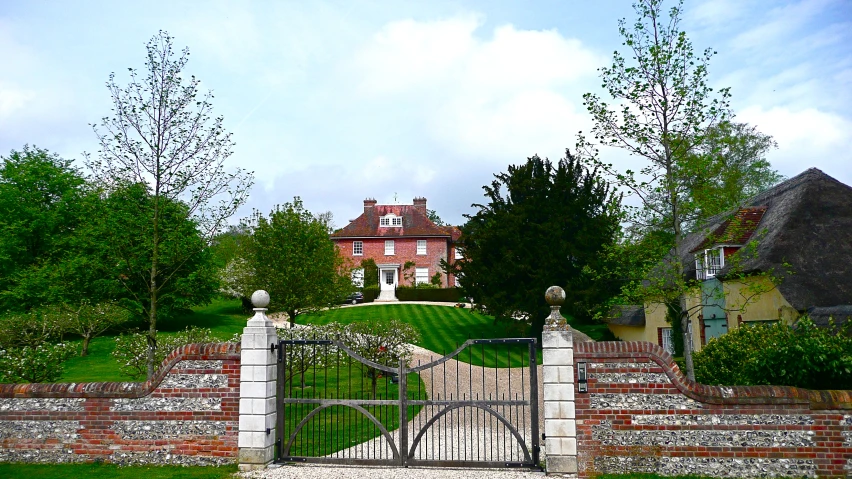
420, 204
369, 203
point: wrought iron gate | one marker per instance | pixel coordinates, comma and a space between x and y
335, 406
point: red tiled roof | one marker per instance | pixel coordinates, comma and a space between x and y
414, 223
736, 230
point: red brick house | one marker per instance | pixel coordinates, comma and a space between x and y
393, 235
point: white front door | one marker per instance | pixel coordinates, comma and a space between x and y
387, 279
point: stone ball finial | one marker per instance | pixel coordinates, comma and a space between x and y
260, 299
555, 296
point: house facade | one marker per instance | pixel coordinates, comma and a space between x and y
395, 236
786, 252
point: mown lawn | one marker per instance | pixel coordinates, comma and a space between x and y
110, 471
443, 329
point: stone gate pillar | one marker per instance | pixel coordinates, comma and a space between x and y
558, 370
258, 374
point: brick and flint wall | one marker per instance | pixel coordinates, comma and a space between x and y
641, 414
187, 414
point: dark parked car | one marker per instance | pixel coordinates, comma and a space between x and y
354, 298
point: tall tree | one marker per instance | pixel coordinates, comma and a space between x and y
161, 135
290, 255
41, 196
663, 111
543, 224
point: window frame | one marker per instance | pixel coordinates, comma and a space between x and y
421, 247
390, 248
417, 275
704, 269
390, 220
357, 248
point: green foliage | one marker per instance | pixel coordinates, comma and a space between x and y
803, 356
434, 218
673, 317
30, 345
42, 199
543, 225
302, 357
383, 342
371, 273
290, 255
89, 321
131, 350
34, 364
371, 293
185, 274
435, 280
430, 293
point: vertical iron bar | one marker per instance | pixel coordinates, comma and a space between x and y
534, 402
403, 414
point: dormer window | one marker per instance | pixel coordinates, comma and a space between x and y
390, 219
709, 262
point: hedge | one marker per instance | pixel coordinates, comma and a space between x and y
446, 295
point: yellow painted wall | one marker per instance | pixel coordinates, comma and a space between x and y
769, 305
655, 317
740, 299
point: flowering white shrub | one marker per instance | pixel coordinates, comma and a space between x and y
131, 350
34, 364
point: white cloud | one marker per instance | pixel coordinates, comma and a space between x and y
502, 98
806, 137
781, 22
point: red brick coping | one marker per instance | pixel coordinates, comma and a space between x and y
207, 351
731, 395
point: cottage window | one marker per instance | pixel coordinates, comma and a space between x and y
458, 253
389, 247
421, 275
421, 246
357, 248
666, 339
709, 262
390, 220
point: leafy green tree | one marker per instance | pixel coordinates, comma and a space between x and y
544, 224
290, 255
186, 273
662, 112
434, 218
738, 168
41, 196
161, 135
90, 321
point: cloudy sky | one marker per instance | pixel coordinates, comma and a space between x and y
335, 101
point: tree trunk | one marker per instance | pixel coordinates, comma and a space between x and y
291, 316
85, 350
687, 347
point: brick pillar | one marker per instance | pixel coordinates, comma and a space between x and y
560, 427
258, 374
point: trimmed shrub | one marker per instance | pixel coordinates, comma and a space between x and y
370, 293
804, 356
446, 295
